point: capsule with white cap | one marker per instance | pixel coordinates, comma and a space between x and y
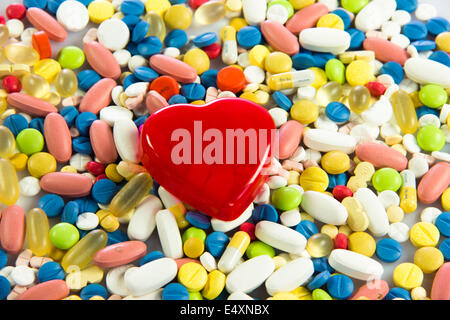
234, 251
229, 47
288, 80
408, 192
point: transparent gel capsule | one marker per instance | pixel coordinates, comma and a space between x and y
66, 83
319, 245
7, 142
18, 53
157, 25
404, 111
332, 91
53, 98
35, 85
38, 239
359, 99
4, 34
210, 12
9, 185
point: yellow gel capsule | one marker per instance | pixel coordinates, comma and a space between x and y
319, 245
19, 53
38, 239
4, 34
314, 179
210, 12
335, 162
2, 55
66, 83
19, 161
408, 276
332, 91
53, 98
157, 25
131, 194
197, 59
7, 142
82, 252
41, 163
35, 85
9, 185
214, 285
158, 6
404, 111
178, 17
47, 68
359, 99
278, 62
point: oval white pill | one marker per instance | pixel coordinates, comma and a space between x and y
378, 219
324, 141
73, 15
324, 208
208, 261
143, 221
389, 198
280, 237
290, 218
355, 265
426, 71
115, 281
112, 114
169, 234
79, 161
126, 139
430, 214
239, 296
330, 40
372, 16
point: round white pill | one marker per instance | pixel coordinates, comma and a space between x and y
73, 15
136, 61
313, 155
418, 165
115, 281
122, 57
29, 186
279, 116
113, 34
379, 113
331, 4
323, 122
79, 161
290, 218
390, 28
430, 214
254, 74
277, 12
6, 272
136, 89
15, 27
276, 182
87, 221
410, 143
23, 275
401, 17
386, 80
172, 52
399, 231
243, 60
389, 198
208, 261
429, 120
425, 11
298, 155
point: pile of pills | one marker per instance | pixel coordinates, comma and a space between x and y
357, 89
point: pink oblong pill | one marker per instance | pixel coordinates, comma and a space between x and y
66, 184
386, 50
306, 17
179, 70
289, 136
381, 156
434, 183
119, 254
98, 96
102, 142
374, 290
102, 60
181, 261
279, 37
154, 101
43, 21
441, 283
30, 105
12, 229
48, 290
57, 137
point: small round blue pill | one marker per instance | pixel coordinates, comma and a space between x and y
176, 38
87, 78
132, 7
415, 30
424, 45
388, 250
175, 291
441, 57
205, 39
394, 69
151, 256
3, 258
193, 91
248, 37
198, 220
443, 223
264, 212
70, 212
302, 61
103, 191
437, 25
16, 123
82, 145
131, 21
340, 286
69, 113
398, 292
307, 228
209, 78
140, 31
38, 124
41, 4
282, 100
145, 74
337, 112
84, 121
445, 248
51, 271
357, 38
149, 46
319, 280
5, 287
216, 243
407, 5
176, 99
93, 289
51, 204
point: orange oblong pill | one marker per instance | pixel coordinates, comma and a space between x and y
102, 141
434, 183
119, 254
289, 137
306, 17
279, 37
166, 86
373, 290
57, 137
441, 283
181, 261
102, 60
98, 96
154, 101
41, 44
43, 21
386, 50
231, 79
48, 290
12, 229
381, 156
66, 184
30, 105
175, 68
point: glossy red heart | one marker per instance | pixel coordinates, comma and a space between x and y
182, 150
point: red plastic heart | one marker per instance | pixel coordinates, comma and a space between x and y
210, 156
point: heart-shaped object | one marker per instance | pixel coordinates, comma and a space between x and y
210, 156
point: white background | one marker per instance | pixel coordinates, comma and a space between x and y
443, 7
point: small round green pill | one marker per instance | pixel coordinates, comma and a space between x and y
320, 294
258, 248
433, 96
30, 141
71, 57
335, 71
64, 235
194, 232
354, 6
286, 198
431, 138
386, 179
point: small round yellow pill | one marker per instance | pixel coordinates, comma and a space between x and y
359, 73
68, 169
305, 111
178, 17
364, 170
335, 162
40, 164
278, 62
330, 230
285, 296
345, 229
197, 59
408, 276
257, 55
249, 96
315, 179
158, 6
100, 10
19, 161
445, 199
193, 247
193, 276
112, 174
424, 234
419, 293
47, 69
363, 243
320, 77
330, 20
238, 23
443, 41
302, 293
395, 214
300, 4
429, 259
294, 177
214, 285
